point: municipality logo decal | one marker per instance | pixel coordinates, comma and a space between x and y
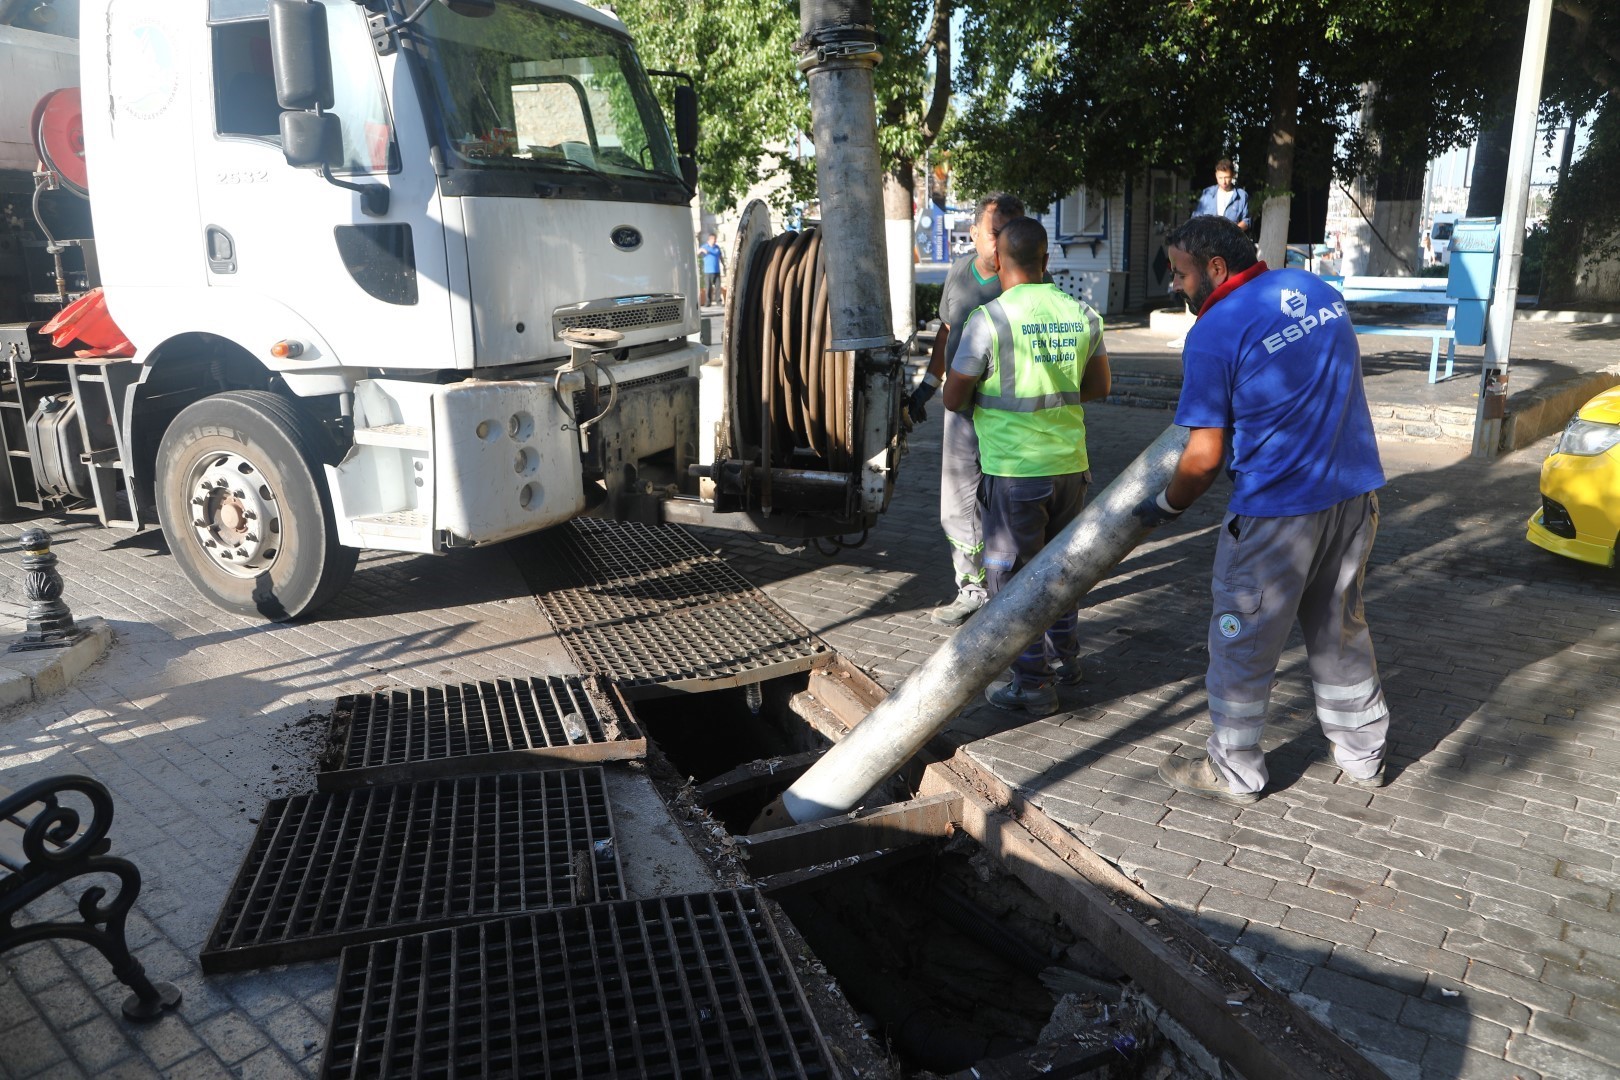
1294, 303
1231, 626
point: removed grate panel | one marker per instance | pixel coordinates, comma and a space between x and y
469, 729
677, 986
649, 607
331, 869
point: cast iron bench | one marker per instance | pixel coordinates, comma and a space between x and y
42, 845
1429, 292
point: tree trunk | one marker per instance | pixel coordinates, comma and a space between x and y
1356, 237
1395, 243
1280, 163
1488, 184
899, 183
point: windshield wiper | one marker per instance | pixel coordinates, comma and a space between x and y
613, 185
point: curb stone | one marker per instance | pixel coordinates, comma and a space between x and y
30, 676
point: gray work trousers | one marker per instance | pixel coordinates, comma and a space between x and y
1268, 572
960, 513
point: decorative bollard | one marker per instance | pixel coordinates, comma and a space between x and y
50, 623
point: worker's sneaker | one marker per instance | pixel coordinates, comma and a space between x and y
1376, 780
1198, 776
1035, 700
957, 611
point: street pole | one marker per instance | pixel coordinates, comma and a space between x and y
1493, 379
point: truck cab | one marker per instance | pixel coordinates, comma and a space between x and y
367, 347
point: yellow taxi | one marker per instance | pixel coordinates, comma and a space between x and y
1580, 486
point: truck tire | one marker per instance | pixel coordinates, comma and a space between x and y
245, 509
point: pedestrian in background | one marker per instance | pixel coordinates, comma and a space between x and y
1025, 363
1224, 198
713, 262
1272, 386
972, 280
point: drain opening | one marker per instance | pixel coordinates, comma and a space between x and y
708, 736
953, 965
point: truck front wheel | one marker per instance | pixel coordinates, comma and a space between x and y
245, 509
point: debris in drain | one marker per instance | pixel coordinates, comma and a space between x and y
954, 971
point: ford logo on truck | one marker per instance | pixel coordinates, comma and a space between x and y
626, 238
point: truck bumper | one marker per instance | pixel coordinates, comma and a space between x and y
476, 462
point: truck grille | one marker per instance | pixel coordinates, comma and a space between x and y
332, 869
672, 987
469, 729
650, 607
622, 313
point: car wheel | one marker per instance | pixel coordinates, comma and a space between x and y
244, 506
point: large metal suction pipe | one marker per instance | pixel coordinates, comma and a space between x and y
984, 648
840, 50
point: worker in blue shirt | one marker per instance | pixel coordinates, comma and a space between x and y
1272, 390
713, 261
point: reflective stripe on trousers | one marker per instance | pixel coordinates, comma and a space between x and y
1268, 572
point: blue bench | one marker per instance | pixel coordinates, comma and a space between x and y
1422, 292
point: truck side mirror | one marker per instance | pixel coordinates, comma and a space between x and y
299, 55
311, 140
472, 9
686, 120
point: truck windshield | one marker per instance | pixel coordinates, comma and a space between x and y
530, 90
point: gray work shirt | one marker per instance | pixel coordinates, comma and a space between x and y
964, 290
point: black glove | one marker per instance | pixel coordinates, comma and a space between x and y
916, 404
1155, 511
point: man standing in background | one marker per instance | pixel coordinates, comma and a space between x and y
1224, 198
972, 282
712, 262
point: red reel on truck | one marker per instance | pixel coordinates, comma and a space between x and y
58, 127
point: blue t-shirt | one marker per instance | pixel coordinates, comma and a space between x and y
1275, 363
711, 258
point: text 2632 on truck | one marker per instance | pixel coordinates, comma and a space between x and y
295, 278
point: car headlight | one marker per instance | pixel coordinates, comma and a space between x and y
1588, 438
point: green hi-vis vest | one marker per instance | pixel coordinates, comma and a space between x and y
1027, 411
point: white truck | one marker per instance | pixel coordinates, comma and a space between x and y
396, 274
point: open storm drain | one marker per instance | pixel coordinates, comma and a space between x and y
649, 607
695, 985
332, 869
465, 730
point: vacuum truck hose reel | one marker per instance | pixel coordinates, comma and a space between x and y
794, 404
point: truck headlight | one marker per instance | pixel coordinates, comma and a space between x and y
1587, 438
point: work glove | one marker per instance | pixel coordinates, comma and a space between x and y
916, 404
1155, 511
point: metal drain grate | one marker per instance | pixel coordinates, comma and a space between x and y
470, 729
650, 607
668, 987
328, 870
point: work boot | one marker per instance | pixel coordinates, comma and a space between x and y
1034, 700
1067, 673
1376, 780
1198, 776
957, 611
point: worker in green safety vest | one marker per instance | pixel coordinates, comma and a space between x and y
1025, 363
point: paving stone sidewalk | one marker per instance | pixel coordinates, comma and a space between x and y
1460, 922
194, 720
